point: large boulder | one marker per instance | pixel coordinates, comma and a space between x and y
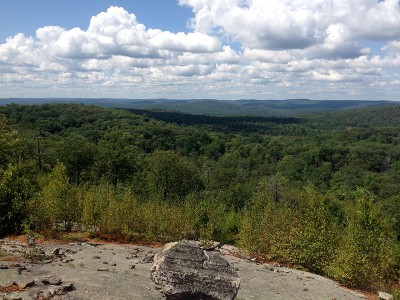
185, 271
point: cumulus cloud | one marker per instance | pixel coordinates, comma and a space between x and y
234, 49
393, 48
334, 27
117, 32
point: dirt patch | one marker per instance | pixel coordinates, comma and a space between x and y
10, 288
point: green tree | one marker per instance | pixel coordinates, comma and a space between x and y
58, 204
77, 153
15, 190
9, 141
116, 157
172, 177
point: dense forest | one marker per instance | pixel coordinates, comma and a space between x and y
265, 108
319, 192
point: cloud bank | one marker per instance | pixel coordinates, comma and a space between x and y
234, 49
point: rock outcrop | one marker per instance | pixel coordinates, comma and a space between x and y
184, 271
385, 296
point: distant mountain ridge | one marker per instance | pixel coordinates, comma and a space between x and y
215, 107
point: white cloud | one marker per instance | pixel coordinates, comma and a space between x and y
393, 49
191, 42
301, 48
331, 76
116, 32
333, 27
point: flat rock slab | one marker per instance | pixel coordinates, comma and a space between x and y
24, 281
121, 282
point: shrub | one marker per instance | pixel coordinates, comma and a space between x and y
15, 190
301, 232
58, 206
364, 257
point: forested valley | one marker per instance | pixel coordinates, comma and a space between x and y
319, 192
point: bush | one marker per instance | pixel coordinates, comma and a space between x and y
15, 190
365, 257
58, 206
111, 210
302, 232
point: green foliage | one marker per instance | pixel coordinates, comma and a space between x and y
58, 205
214, 219
391, 207
77, 155
282, 188
171, 177
318, 232
9, 142
95, 203
15, 190
364, 257
116, 157
110, 210
301, 231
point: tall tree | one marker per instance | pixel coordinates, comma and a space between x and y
15, 190
172, 177
77, 153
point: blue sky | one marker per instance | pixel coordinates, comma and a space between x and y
223, 49
28, 15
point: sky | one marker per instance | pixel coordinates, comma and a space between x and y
196, 49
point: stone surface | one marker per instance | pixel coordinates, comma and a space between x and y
52, 280
57, 251
149, 258
35, 253
385, 296
24, 282
185, 271
121, 282
51, 292
13, 296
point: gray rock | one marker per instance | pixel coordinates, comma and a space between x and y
69, 287
149, 258
103, 270
185, 271
52, 280
51, 293
385, 296
47, 261
13, 296
210, 246
31, 241
57, 252
20, 269
24, 282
